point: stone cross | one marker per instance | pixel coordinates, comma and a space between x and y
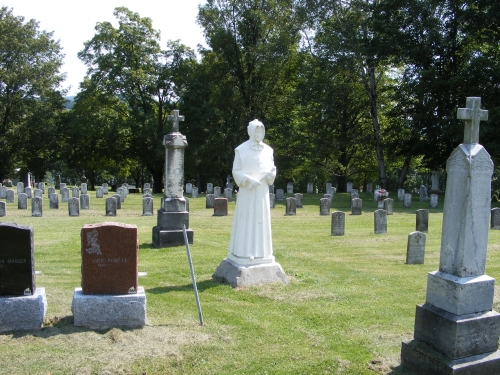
175, 118
473, 115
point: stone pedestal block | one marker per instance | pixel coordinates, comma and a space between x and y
172, 220
170, 238
103, 311
174, 204
460, 295
23, 313
244, 275
422, 359
457, 336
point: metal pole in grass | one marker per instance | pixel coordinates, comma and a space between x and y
192, 274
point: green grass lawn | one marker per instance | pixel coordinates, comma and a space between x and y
349, 304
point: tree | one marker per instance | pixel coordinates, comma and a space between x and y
30, 103
253, 61
128, 63
345, 35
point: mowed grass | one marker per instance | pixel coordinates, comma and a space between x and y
349, 304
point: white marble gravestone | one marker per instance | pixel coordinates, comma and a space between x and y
380, 221
289, 188
291, 206
299, 197
401, 195
324, 206
250, 259
433, 202
407, 200
36, 207
210, 188
349, 187
389, 206
356, 206
310, 188
54, 201
456, 330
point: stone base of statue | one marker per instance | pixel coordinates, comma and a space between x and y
251, 272
422, 359
170, 220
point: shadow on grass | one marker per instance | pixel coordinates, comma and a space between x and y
202, 286
56, 326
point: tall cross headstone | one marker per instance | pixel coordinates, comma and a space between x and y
456, 327
173, 213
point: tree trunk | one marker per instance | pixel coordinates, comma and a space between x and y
371, 87
158, 180
404, 172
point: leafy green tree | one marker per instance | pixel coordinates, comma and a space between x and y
128, 63
252, 62
30, 103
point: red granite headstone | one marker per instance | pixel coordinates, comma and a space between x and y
109, 258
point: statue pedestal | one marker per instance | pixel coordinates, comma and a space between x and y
238, 275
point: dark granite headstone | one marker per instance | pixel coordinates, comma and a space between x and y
109, 258
17, 266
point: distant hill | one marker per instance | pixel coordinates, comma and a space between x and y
70, 100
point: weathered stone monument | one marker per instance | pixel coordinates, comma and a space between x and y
291, 206
109, 295
272, 200
210, 188
250, 259
118, 201
389, 206
220, 207
348, 187
36, 207
289, 188
407, 200
422, 220
401, 195
98, 192
75, 192
228, 194
189, 188
280, 195
173, 215
310, 188
147, 206
415, 250
380, 221
217, 192
423, 193
22, 201
105, 188
111, 206
194, 192
3, 192
64, 194
9, 196
73, 207
85, 201
209, 200
3, 210
338, 223
22, 304
495, 218
456, 330
299, 197
356, 206
324, 206
433, 202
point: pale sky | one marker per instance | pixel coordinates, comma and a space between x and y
73, 24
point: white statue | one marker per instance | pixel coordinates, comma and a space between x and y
253, 171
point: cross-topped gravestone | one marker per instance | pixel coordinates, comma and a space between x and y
175, 118
473, 115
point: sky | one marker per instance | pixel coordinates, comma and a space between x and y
73, 24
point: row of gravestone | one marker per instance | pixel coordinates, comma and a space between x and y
109, 295
217, 190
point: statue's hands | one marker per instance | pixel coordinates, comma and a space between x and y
251, 182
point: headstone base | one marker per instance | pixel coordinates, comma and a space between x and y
457, 336
422, 359
103, 311
238, 275
23, 313
170, 238
460, 295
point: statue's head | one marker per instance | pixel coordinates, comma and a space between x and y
256, 130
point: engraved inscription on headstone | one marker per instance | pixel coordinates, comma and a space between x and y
109, 258
17, 266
